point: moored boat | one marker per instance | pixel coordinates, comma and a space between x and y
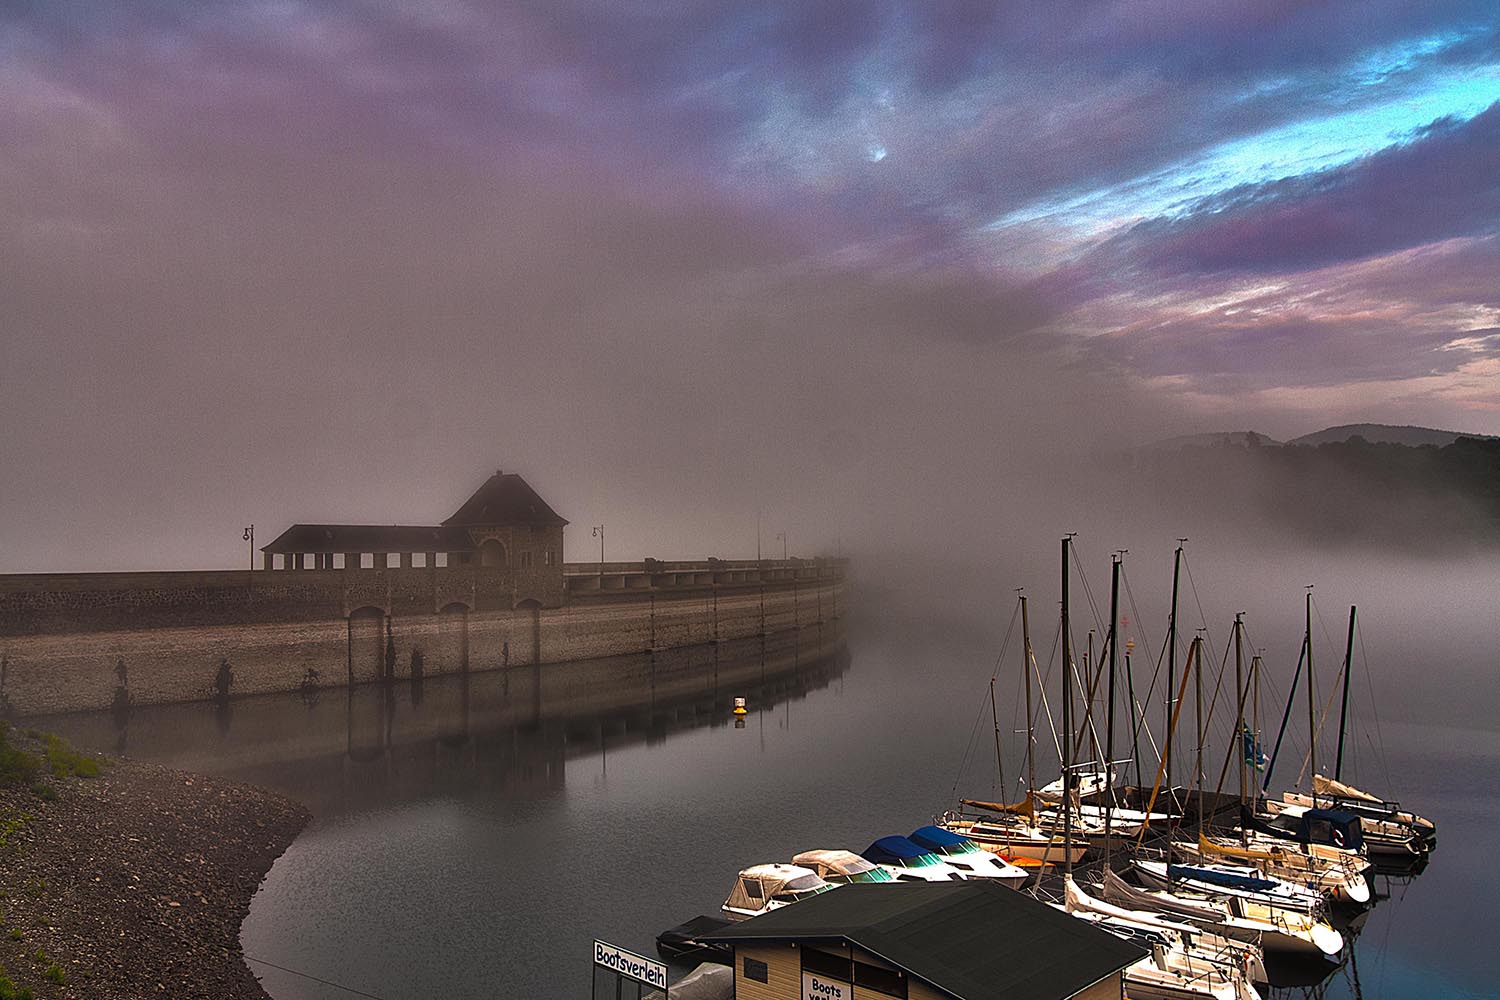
760, 888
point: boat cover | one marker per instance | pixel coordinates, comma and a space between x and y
1336, 827
935, 838
1225, 879
894, 851
1119, 890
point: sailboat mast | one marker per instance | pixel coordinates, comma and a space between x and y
1030, 722
1109, 709
1239, 722
1171, 669
1067, 720
1195, 655
1312, 708
1338, 767
1255, 711
995, 720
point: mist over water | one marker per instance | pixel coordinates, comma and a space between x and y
493, 868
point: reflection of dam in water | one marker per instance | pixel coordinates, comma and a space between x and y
512, 729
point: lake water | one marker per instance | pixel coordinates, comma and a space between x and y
472, 837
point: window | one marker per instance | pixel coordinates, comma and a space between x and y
548, 557
757, 970
886, 981
526, 560
752, 888
823, 963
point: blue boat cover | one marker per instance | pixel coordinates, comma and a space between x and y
935, 838
893, 851
1224, 879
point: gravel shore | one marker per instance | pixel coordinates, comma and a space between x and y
134, 883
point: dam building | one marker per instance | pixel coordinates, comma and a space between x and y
504, 529
337, 605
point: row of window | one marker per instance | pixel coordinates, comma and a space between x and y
887, 982
393, 560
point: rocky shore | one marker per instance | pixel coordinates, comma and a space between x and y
131, 882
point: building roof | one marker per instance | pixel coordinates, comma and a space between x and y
972, 940
505, 498
371, 538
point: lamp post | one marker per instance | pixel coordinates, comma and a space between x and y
249, 536
598, 533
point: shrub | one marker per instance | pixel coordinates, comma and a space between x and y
66, 762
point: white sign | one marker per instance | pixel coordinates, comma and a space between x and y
631, 965
822, 988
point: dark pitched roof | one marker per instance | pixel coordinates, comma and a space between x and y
505, 498
370, 538
973, 940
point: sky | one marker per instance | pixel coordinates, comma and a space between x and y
845, 267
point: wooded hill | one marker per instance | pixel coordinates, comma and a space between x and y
1350, 491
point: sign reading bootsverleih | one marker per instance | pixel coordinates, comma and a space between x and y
823, 988
630, 965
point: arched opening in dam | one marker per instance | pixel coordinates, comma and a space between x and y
451, 648
366, 652
531, 616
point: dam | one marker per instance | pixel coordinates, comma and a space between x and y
343, 605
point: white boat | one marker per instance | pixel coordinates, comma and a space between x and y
1363, 805
967, 856
1341, 877
1091, 781
1242, 955
1380, 836
1274, 929
1231, 881
842, 866
911, 863
761, 888
1016, 838
1170, 972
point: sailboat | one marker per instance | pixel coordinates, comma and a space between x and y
1013, 830
1176, 969
1388, 829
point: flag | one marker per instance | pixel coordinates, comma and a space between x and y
1254, 756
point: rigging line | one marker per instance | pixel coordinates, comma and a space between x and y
325, 982
1042, 690
968, 752
1193, 586
1333, 694
1140, 710
1218, 684
1385, 764
1130, 595
974, 733
1088, 593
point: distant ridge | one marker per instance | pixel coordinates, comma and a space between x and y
1239, 439
1385, 434
1412, 437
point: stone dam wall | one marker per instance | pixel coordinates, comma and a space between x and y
63, 643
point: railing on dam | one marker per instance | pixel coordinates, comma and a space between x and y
585, 579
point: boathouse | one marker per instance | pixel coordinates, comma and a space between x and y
505, 526
925, 941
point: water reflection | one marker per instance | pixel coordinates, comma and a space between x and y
511, 729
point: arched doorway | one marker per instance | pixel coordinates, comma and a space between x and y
492, 553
